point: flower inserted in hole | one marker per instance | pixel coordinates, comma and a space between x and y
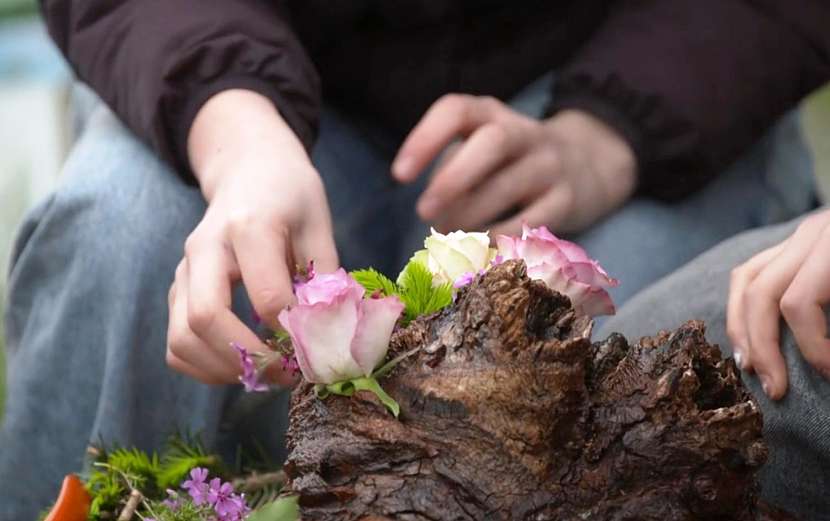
562, 265
338, 334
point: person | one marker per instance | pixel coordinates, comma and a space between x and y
649, 102
742, 289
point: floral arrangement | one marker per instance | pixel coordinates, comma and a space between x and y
337, 334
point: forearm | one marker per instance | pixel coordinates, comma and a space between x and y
235, 127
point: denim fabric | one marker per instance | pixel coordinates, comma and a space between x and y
86, 313
797, 428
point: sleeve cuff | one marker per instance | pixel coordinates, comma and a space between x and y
659, 142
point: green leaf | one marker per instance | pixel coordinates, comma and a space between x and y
373, 281
348, 388
418, 293
180, 456
283, 509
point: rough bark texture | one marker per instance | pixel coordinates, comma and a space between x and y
508, 412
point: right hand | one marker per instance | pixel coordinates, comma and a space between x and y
267, 213
789, 280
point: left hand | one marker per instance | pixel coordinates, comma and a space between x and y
565, 172
791, 279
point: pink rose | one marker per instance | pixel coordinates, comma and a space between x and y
337, 334
563, 266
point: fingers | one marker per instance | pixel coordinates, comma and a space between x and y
265, 267
316, 242
762, 310
740, 278
520, 182
485, 151
550, 209
451, 116
802, 305
186, 352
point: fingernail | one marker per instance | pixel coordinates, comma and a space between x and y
739, 357
402, 167
766, 384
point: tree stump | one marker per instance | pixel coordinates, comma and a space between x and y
509, 412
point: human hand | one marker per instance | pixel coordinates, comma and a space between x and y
267, 212
565, 172
791, 279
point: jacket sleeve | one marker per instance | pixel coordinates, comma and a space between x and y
691, 84
155, 62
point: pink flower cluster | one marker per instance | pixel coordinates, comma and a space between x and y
220, 496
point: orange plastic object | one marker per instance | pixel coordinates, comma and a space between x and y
73, 501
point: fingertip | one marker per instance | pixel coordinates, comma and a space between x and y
775, 387
428, 207
403, 169
738, 355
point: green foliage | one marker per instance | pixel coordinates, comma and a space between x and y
114, 473
110, 480
349, 387
186, 511
177, 461
282, 509
373, 281
418, 293
415, 288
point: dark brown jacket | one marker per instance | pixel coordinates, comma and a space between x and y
689, 83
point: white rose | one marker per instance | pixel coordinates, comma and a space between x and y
455, 255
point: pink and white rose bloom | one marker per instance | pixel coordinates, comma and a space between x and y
456, 255
337, 334
563, 266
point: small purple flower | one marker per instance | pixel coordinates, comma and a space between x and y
196, 486
249, 377
498, 259
463, 280
226, 504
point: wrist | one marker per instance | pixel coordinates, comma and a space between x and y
611, 157
235, 128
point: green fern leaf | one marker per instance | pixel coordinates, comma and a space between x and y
372, 280
418, 293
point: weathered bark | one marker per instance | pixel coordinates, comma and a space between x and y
508, 412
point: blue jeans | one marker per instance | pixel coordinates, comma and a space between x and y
86, 314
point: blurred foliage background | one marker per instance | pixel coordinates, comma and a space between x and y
34, 136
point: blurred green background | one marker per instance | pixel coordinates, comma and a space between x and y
34, 135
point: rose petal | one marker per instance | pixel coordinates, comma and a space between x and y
445, 262
374, 328
592, 274
322, 336
474, 245
299, 349
507, 247
536, 251
326, 287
